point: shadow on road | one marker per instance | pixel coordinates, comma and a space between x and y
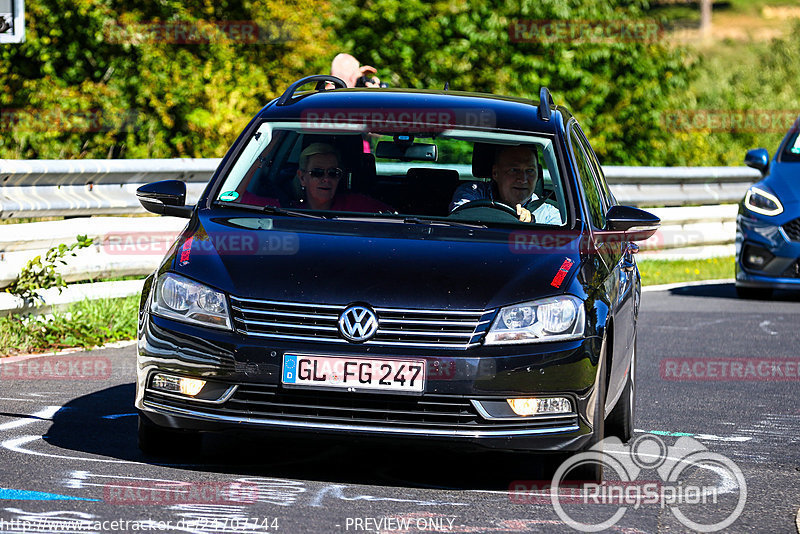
101, 424
728, 291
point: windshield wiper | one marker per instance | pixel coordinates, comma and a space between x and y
459, 224
274, 210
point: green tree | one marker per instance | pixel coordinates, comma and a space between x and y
742, 97
106, 78
617, 88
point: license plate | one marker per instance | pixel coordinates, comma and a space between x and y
354, 373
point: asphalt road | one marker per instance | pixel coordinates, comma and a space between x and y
716, 372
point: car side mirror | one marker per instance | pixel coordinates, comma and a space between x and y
633, 223
758, 158
167, 197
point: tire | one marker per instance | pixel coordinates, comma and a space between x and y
620, 421
754, 293
593, 472
155, 440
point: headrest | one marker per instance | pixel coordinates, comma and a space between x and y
483, 155
436, 175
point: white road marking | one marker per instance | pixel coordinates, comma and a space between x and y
46, 413
17, 443
704, 437
764, 325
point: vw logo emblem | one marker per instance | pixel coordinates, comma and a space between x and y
358, 323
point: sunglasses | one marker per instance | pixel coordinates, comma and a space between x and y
333, 172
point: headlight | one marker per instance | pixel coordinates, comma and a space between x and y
760, 201
551, 319
179, 298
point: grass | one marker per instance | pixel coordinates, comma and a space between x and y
670, 271
85, 324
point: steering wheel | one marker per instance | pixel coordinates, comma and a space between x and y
486, 203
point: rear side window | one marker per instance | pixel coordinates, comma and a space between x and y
588, 184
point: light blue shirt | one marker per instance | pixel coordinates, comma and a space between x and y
469, 191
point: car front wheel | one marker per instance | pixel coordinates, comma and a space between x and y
620, 421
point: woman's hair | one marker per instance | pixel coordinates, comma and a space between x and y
315, 149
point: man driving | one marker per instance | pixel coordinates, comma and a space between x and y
514, 176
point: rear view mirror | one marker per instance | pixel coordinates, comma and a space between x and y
757, 158
414, 152
636, 224
166, 197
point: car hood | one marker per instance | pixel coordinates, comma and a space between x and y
418, 269
784, 181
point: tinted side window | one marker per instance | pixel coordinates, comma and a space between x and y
605, 192
595, 203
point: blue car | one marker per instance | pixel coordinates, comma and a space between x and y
768, 224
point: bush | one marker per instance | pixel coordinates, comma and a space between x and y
84, 86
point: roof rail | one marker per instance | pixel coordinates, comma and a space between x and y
545, 101
321, 79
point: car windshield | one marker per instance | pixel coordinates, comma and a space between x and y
792, 150
451, 175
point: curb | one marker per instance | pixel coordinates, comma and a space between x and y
667, 287
70, 350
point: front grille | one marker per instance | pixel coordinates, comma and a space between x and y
792, 229
451, 329
793, 271
430, 412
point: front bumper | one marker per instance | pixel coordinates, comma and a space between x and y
449, 409
782, 271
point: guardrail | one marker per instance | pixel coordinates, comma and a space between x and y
44, 188
696, 205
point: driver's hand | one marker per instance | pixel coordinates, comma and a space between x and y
523, 214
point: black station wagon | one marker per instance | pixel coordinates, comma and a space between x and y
431, 265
